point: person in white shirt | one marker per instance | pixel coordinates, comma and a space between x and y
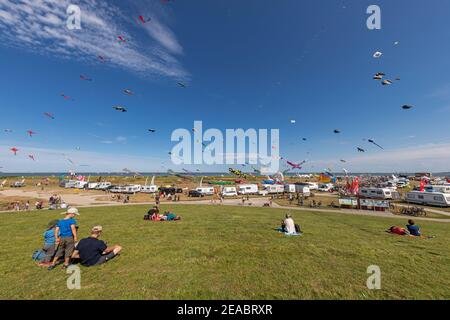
289, 224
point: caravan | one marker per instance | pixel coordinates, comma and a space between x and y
439, 199
376, 193
104, 186
229, 192
206, 191
132, 189
245, 189
273, 188
152, 188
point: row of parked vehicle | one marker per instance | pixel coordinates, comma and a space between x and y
126, 189
253, 189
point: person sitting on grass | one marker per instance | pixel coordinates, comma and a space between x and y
155, 215
92, 252
66, 237
152, 214
413, 229
289, 225
49, 243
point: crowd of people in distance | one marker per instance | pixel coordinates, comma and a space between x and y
61, 245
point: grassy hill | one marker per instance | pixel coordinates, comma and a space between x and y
231, 253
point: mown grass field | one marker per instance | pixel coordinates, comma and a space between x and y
231, 253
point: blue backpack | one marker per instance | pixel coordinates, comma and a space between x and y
38, 255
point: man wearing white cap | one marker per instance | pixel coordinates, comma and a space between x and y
91, 251
66, 237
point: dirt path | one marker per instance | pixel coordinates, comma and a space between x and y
74, 199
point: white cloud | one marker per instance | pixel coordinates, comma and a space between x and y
40, 26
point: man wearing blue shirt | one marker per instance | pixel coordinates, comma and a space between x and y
413, 229
66, 237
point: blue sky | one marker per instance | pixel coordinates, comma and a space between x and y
247, 64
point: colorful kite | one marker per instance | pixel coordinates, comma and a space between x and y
144, 20
373, 142
296, 165
119, 108
31, 133
49, 115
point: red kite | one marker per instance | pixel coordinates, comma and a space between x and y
143, 20
31, 133
14, 149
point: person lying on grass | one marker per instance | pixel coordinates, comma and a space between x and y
66, 237
411, 230
170, 216
92, 252
49, 243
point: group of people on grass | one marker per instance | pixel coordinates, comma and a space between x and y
61, 244
411, 229
289, 227
154, 215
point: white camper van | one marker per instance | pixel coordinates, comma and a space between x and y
81, 184
325, 187
104, 186
149, 189
273, 188
152, 188
248, 189
92, 185
312, 185
69, 184
132, 189
302, 189
429, 198
229, 192
289, 188
376, 193
206, 191
117, 189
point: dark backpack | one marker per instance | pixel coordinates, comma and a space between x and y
297, 229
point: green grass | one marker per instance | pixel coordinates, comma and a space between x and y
231, 253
